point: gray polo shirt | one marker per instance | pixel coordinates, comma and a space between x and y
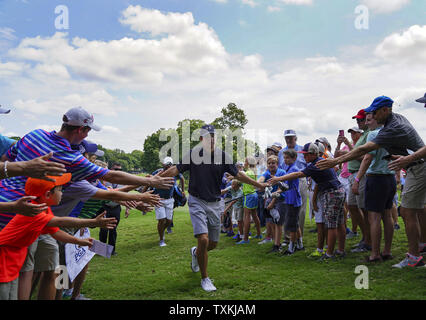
398, 136
72, 195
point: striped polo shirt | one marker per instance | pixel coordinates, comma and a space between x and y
38, 143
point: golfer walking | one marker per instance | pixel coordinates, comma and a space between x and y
207, 165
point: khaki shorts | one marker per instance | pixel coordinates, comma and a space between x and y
238, 214
353, 199
9, 290
414, 193
43, 255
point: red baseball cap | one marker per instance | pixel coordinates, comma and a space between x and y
360, 115
38, 187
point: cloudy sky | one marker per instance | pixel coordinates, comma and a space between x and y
138, 66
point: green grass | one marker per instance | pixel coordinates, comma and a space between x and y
143, 270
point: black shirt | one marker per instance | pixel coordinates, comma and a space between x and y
325, 179
206, 172
398, 136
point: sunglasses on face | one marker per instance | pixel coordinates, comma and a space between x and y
117, 169
360, 120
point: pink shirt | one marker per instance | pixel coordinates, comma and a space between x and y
345, 173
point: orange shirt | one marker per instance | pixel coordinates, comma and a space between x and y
15, 238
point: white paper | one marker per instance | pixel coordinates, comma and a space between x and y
101, 248
77, 257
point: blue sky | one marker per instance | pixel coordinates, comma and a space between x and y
270, 57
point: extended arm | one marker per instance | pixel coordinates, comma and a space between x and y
125, 178
290, 176
64, 237
70, 222
401, 162
351, 155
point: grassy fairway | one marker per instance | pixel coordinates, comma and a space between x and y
143, 270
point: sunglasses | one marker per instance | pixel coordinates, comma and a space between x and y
360, 120
117, 169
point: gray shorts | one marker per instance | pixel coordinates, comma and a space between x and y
43, 255
9, 290
238, 214
205, 217
414, 193
353, 199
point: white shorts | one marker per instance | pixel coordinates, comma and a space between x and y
165, 211
318, 215
346, 183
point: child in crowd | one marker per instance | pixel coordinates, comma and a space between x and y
237, 206
22, 231
250, 201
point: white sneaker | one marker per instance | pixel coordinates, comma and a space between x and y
194, 263
207, 285
162, 243
266, 240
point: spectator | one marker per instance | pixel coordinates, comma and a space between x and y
236, 202
5, 142
250, 201
293, 201
300, 164
356, 202
344, 176
278, 204
22, 231
204, 196
379, 194
333, 195
398, 136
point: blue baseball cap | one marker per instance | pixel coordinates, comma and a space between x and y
86, 147
207, 129
422, 100
379, 102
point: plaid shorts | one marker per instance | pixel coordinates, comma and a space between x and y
333, 207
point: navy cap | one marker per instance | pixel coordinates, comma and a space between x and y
207, 129
422, 100
310, 148
380, 102
87, 146
4, 110
289, 133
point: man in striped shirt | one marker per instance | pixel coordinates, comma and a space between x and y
77, 123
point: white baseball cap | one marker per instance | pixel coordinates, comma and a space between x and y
168, 160
79, 117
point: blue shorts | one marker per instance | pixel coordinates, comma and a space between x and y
251, 201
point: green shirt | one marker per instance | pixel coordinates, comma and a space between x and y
378, 165
353, 165
248, 188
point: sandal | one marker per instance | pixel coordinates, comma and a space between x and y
367, 259
386, 257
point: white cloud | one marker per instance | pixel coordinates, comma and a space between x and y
7, 33
297, 2
110, 129
408, 46
250, 3
273, 9
385, 6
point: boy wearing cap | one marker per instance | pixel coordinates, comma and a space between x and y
399, 137
21, 231
332, 194
207, 165
290, 137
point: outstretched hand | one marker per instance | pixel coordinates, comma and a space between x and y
40, 168
326, 164
88, 242
105, 223
398, 163
150, 198
24, 207
162, 182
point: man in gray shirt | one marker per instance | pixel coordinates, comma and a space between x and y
398, 137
